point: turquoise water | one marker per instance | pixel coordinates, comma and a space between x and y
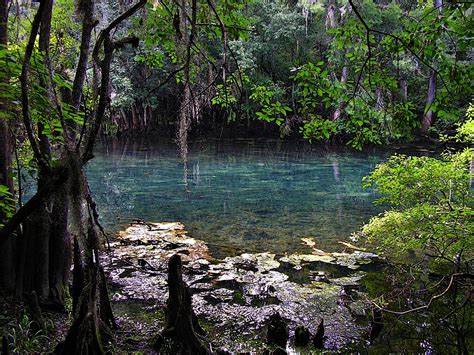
243, 195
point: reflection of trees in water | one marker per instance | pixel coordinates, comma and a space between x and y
258, 195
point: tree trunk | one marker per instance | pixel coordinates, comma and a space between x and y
36, 250
429, 114
7, 266
331, 23
380, 102
404, 89
428, 117
91, 305
337, 113
60, 248
92, 310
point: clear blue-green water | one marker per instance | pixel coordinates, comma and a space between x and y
243, 195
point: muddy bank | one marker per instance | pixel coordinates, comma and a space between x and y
235, 296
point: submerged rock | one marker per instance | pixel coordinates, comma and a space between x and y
352, 260
298, 259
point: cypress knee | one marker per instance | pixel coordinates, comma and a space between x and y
318, 340
182, 326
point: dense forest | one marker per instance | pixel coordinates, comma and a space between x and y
324, 79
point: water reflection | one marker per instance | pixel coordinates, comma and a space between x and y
237, 195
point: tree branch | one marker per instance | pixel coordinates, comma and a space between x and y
416, 55
109, 46
25, 101
432, 299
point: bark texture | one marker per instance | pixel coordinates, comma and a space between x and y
182, 326
7, 267
429, 115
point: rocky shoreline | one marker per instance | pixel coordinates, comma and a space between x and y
236, 296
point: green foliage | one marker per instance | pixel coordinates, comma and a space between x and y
406, 181
315, 90
427, 238
25, 338
432, 208
271, 110
7, 203
224, 97
64, 26
424, 228
465, 131
291, 49
371, 111
10, 69
363, 124
318, 129
157, 34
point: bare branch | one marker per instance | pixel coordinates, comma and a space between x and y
432, 299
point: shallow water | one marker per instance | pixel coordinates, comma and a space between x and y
241, 195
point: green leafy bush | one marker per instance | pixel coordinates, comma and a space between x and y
407, 181
427, 238
431, 214
318, 129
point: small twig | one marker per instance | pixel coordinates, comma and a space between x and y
142, 222
163, 83
432, 299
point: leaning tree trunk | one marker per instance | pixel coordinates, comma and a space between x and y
60, 239
46, 243
7, 251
